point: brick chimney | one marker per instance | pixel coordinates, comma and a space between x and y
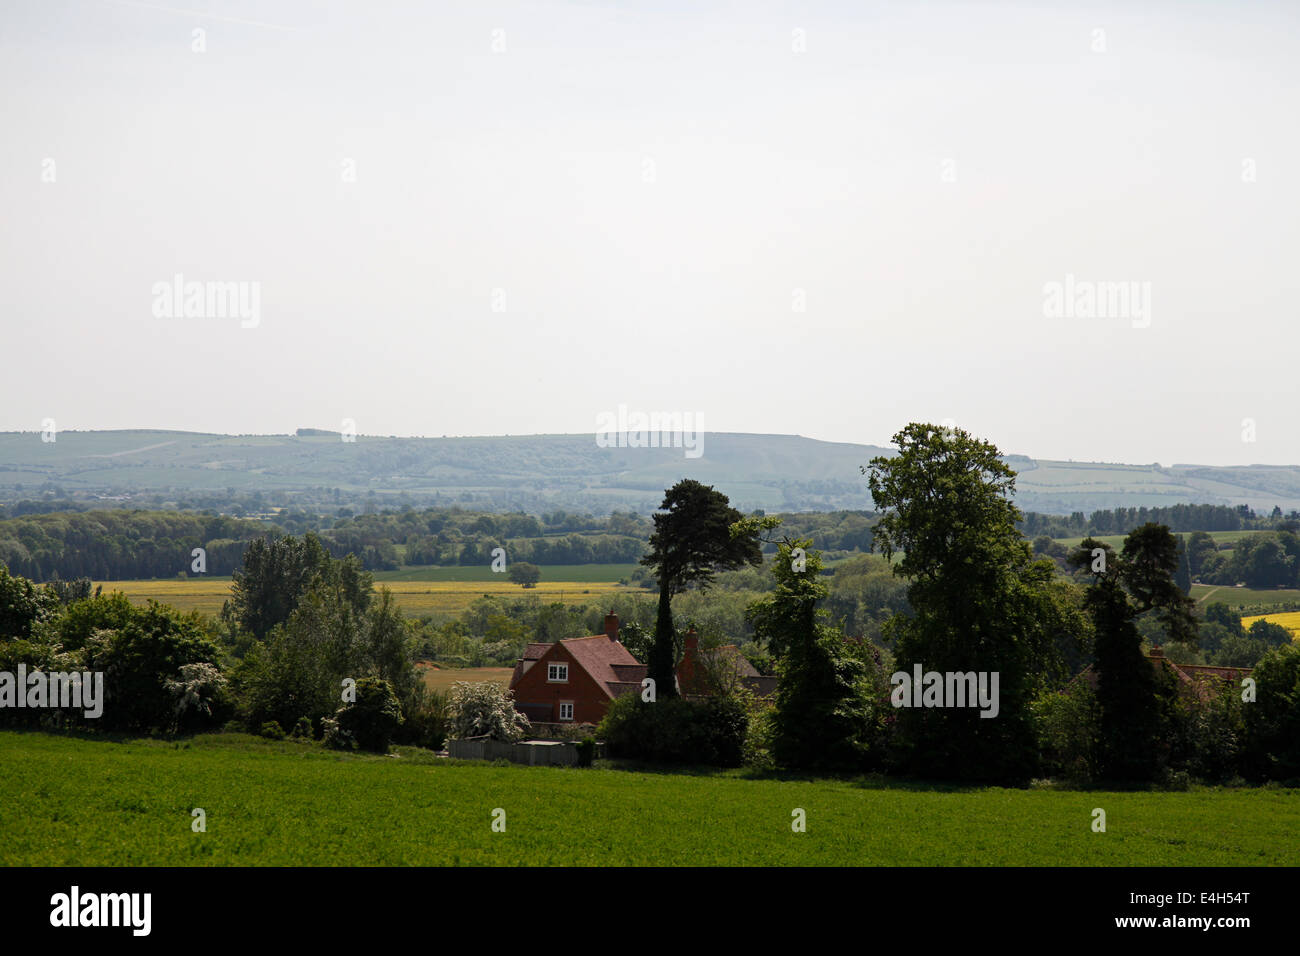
686, 668
611, 627
692, 642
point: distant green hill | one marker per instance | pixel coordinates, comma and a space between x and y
533, 473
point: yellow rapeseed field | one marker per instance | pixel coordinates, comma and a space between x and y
414, 597
1288, 619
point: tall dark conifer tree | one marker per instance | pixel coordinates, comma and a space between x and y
693, 539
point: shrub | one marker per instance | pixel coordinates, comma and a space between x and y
428, 719
758, 740
574, 733
200, 696
828, 714
302, 729
1178, 780
372, 718
1206, 731
1067, 724
272, 730
677, 730
486, 709
586, 751
1272, 722
335, 736
141, 660
43, 657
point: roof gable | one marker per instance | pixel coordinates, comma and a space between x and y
607, 662
598, 656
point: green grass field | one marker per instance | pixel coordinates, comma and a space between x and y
94, 802
1116, 541
1239, 597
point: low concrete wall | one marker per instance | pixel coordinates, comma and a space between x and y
480, 748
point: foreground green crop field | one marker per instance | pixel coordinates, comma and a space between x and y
95, 802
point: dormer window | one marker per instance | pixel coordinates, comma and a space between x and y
557, 673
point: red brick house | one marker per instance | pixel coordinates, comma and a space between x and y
724, 665
574, 680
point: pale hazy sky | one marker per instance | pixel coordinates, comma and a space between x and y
655, 186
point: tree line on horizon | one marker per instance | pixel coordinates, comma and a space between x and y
124, 544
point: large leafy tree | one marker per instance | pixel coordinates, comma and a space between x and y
23, 605
825, 717
980, 602
1273, 722
277, 574
693, 540
1141, 579
298, 671
524, 574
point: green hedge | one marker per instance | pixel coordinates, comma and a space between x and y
677, 730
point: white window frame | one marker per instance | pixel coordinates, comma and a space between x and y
557, 673
564, 704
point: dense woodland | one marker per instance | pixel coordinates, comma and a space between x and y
122, 544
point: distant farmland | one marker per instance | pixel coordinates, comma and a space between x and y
441, 680
1212, 593
415, 597
1116, 541
1288, 619
1243, 596
583, 573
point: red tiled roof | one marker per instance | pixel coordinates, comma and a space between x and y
734, 659
1214, 670
599, 656
1186, 674
531, 653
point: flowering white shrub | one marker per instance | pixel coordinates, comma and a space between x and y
336, 736
484, 708
196, 690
